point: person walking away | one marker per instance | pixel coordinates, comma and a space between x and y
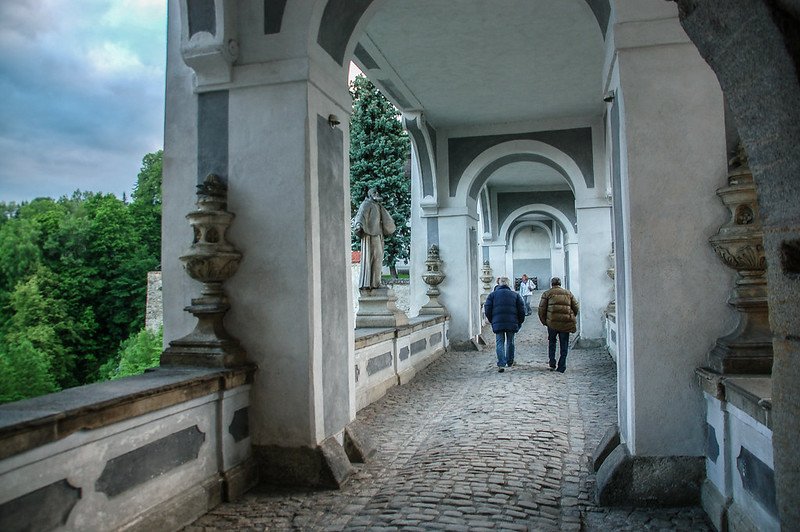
505, 310
526, 290
558, 310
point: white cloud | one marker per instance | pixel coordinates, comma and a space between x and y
83, 94
115, 58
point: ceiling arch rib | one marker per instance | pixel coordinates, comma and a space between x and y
532, 223
475, 175
547, 210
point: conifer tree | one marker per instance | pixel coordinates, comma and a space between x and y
379, 150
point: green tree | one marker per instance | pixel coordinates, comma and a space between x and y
146, 206
73, 278
25, 370
379, 150
136, 354
39, 322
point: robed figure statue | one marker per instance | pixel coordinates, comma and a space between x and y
372, 223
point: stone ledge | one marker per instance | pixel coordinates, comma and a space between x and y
35, 422
750, 393
367, 336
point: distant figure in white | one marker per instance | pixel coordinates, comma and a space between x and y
372, 223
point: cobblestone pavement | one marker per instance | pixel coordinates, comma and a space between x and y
463, 447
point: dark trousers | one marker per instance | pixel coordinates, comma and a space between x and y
563, 340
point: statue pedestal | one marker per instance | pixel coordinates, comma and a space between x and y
377, 307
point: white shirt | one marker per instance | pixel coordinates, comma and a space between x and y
526, 288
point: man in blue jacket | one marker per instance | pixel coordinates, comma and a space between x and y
505, 309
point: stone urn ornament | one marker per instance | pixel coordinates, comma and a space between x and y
740, 245
487, 276
211, 260
433, 277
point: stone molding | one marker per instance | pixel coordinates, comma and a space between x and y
25, 425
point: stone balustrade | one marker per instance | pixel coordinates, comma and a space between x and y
392, 356
158, 450
739, 490
153, 451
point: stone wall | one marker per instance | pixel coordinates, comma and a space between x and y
154, 310
155, 451
387, 357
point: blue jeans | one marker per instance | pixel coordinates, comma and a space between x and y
563, 340
527, 300
504, 342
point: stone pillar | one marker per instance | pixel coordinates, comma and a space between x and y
556, 265
671, 160
573, 273
277, 134
760, 82
611, 272
594, 232
461, 295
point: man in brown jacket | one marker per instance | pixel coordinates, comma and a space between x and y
557, 311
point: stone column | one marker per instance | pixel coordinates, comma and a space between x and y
671, 159
573, 273
556, 265
461, 295
594, 232
277, 133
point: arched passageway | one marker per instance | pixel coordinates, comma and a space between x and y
643, 120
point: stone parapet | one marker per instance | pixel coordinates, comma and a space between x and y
163, 447
386, 357
739, 490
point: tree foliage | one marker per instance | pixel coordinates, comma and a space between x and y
379, 151
138, 353
73, 280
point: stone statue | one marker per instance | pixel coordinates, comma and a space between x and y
371, 224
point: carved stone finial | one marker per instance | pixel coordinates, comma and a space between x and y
740, 245
211, 260
433, 277
486, 278
739, 158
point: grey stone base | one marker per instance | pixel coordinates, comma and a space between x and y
588, 343
358, 444
715, 505
378, 308
468, 345
182, 509
325, 466
239, 479
623, 479
609, 442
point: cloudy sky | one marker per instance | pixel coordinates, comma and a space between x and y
81, 94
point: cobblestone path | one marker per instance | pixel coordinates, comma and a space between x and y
463, 447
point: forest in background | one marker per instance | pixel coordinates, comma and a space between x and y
73, 281
73, 271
